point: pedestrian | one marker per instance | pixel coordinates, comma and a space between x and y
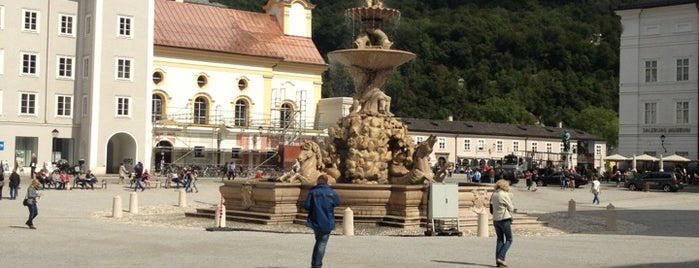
122, 173
502, 207
477, 176
595, 189
32, 196
528, 177
617, 177
33, 164
231, 170
320, 203
491, 175
191, 181
138, 174
2, 180
535, 179
14, 184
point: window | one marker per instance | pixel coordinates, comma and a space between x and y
200, 110
86, 67
123, 69
86, 106
549, 147
157, 107
682, 112
2, 17
157, 77
242, 84
285, 116
124, 27
241, 113
561, 147
535, 147
198, 151
2, 61
651, 71
498, 146
442, 143
88, 24
515, 146
29, 63
66, 26
682, 69
64, 105
202, 81
598, 149
65, 67
481, 145
122, 106
31, 21
27, 104
650, 113
467, 145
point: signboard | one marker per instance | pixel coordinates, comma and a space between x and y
2, 146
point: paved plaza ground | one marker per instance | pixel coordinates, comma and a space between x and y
75, 230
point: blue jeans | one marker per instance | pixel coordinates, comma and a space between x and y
503, 231
319, 248
137, 184
596, 198
33, 212
13, 192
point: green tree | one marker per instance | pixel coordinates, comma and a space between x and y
600, 122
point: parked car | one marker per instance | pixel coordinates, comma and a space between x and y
666, 181
555, 179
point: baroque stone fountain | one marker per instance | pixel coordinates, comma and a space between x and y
373, 163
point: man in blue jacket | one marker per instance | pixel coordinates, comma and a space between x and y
320, 203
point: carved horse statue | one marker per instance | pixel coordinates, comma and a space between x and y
420, 172
311, 165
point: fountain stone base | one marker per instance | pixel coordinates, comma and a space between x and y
402, 206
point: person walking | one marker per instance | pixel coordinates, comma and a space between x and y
595, 189
320, 203
231, 170
138, 174
491, 175
528, 177
32, 196
33, 164
502, 206
14, 184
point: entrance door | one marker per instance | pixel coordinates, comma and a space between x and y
121, 148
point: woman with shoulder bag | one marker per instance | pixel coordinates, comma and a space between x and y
2, 181
32, 196
502, 209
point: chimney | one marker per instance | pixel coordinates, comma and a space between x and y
560, 124
450, 118
179, 1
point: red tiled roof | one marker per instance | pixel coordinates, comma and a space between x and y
225, 30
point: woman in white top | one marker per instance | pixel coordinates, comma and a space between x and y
595, 189
502, 208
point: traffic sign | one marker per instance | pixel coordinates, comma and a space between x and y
2, 145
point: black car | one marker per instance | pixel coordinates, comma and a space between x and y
666, 181
555, 179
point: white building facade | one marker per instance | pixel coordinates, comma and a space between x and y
658, 78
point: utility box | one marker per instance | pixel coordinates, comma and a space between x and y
443, 209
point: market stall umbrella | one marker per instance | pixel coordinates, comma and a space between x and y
676, 158
616, 157
643, 157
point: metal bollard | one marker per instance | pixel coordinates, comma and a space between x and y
220, 216
183, 199
571, 208
483, 225
116, 207
133, 203
348, 222
611, 218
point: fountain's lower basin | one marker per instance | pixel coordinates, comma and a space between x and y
403, 206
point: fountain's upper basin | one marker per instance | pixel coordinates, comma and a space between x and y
372, 13
371, 58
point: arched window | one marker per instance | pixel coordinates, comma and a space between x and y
201, 110
285, 115
241, 113
157, 107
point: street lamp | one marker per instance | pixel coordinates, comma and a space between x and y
54, 134
662, 142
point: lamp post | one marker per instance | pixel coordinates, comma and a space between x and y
662, 142
259, 137
54, 134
